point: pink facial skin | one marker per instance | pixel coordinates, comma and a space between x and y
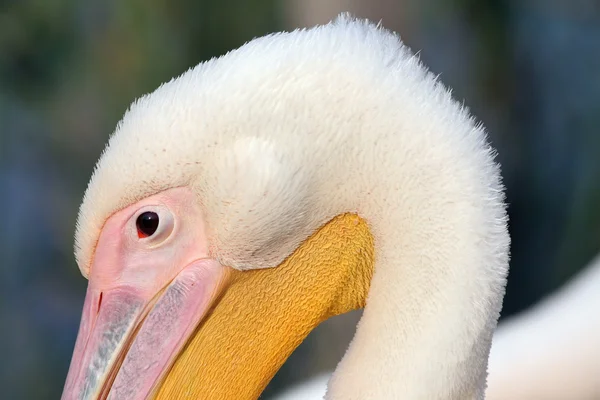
165, 281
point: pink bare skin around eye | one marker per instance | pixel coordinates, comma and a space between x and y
122, 258
142, 291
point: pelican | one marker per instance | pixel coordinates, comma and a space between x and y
298, 177
550, 351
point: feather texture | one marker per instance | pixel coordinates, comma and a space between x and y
292, 129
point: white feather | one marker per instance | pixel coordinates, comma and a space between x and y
291, 129
549, 352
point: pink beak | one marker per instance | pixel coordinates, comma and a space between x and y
128, 339
146, 295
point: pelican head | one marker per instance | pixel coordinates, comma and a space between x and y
301, 176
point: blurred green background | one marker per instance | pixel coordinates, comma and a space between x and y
69, 69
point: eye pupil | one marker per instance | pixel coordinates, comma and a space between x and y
147, 224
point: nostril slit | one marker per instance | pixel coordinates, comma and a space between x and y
100, 301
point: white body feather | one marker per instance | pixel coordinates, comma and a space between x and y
288, 131
549, 352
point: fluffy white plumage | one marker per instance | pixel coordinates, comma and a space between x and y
291, 129
549, 352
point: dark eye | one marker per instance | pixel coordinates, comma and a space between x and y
147, 224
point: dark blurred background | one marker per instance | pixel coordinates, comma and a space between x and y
69, 69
